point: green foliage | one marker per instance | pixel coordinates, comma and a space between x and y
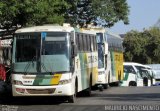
99, 12
143, 47
21, 13
15, 13
80, 13
111, 11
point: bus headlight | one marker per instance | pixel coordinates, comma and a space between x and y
66, 81
15, 82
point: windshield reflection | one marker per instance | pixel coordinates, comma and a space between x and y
26, 48
54, 56
56, 52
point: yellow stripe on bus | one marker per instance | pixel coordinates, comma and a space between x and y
119, 65
55, 79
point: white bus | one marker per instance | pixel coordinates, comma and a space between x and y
53, 61
149, 72
110, 57
132, 76
156, 70
136, 74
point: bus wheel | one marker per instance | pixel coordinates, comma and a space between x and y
105, 86
72, 98
88, 90
100, 87
135, 84
2, 88
132, 83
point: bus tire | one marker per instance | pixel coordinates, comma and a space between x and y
135, 84
108, 81
88, 90
100, 88
72, 98
105, 86
132, 83
2, 87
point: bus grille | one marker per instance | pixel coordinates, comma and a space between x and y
40, 91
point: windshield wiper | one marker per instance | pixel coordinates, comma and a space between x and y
28, 64
44, 67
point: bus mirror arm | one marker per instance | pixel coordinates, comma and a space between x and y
74, 50
72, 68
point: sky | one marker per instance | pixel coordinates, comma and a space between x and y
143, 14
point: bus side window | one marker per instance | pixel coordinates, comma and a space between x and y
95, 43
91, 39
105, 61
84, 43
90, 42
77, 41
129, 69
81, 42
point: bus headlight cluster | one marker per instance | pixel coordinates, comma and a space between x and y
15, 82
65, 81
100, 73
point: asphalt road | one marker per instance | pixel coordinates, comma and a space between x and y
121, 97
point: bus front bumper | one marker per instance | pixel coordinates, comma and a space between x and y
57, 90
101, 79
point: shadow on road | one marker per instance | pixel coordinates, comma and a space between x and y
109, 96
8, 99
131, 97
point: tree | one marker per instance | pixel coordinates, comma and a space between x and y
111, 11
15, 13
142, 47
21, 13
134, 45
99, 12
80, 13
153, 47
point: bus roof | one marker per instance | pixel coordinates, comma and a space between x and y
114, 35
137, 64
83, 30
94, 29
101, 30
46, 28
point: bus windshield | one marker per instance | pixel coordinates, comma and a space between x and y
26, 48
52, 53
55, 54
